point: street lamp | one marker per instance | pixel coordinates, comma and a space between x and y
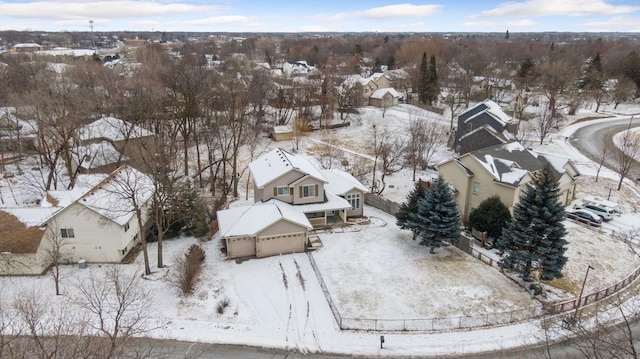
375, 152
581, 291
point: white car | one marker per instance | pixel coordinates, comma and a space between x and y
605, 213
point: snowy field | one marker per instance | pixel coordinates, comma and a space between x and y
377, 272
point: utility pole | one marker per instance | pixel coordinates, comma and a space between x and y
93, 41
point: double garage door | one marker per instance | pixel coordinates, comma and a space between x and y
280, 244
266, 246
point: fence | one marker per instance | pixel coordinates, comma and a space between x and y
332, 305
381, 203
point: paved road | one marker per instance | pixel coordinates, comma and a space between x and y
591, 139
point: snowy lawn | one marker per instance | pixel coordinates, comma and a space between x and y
380, 272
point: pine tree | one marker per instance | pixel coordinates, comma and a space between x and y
535, 236
433, 89
423, 81
410, 206
437, 219
491, 216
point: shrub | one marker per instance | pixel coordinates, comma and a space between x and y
222, 305
490, 216
188, 268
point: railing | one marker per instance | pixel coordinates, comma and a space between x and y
464, 323
327, 295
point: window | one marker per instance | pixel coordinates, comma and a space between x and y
67, 232
469, 126
126, 226
282, 191
476, 188
354, 200
308, 190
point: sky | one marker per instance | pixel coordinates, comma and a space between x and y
322, 16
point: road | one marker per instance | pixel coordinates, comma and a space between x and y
591, 139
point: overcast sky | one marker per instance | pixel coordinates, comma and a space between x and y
322, 15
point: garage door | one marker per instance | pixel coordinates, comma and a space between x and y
241, 247
281, 244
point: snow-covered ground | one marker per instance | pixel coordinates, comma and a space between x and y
375, 272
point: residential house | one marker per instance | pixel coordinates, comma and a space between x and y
482, 125
384, 97
282, 133
291, 196
504, 170
106, 143
95, 221
16, 135
25, 48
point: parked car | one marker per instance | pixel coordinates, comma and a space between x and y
585, 216
604, 212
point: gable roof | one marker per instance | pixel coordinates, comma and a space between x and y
341, 182
379, 93
251, 220
112, 129
279, 162
510, 163
111, 198
486, 107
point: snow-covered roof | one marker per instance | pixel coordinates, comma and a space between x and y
97, 155
63, 198
279, 162
341, 182
379, 93
31, 216
509, 163
113, 129
332, 203
112, 198
251, 220
489, 107
282, 129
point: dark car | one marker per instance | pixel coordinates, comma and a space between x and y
585, 216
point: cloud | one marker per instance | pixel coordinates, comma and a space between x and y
520, 23
557, 7
97, 9
479, 24
219, 20
399, 11
613, 24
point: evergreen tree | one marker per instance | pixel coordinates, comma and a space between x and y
437, 219
409, 207
490, 216
433, 89
506, 35
632, 68
423, 81
535, 236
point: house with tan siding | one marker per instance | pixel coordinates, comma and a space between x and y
291, 197
504, 170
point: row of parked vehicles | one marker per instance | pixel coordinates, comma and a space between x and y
593, 211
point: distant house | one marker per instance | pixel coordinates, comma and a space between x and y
282, 133
106, 143
504, 170
95, 221
483, 125
291, 197
384, 97
25, 48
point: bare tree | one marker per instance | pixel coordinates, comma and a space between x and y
625, 154
128, 190
117, 306
544, 122
55, 251
389, 150
624, 90
425, 137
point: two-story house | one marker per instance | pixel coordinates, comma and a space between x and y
504, 170
95, 221
483, 125
291, 197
